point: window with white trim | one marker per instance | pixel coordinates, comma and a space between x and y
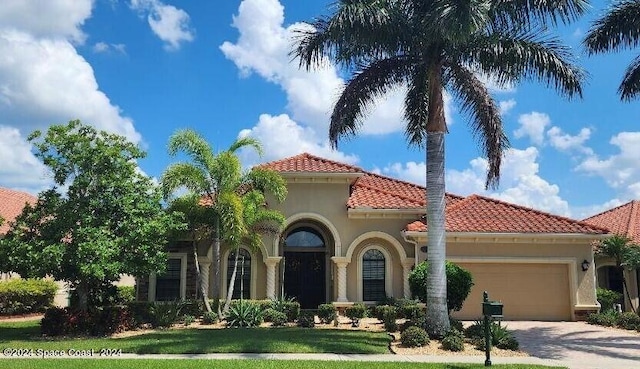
373, 276
168, 284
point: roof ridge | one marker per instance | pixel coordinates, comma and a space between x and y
633, 215
610, 210
395, 180
313, 157
331, 161
404, 197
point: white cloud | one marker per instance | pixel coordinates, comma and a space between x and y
169, 23
506, 106
103, 47
282, 137
566, 142
20, 169
410, 171
532, 125
582, 212
50, 18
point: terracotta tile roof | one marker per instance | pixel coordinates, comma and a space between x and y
309, 163
11, 204
623, 220
485, 215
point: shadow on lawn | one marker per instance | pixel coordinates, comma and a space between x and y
545, 343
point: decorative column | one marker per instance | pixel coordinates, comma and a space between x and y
205, 267
271, 263
341, 264
406, 269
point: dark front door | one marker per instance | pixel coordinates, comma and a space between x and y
304, 278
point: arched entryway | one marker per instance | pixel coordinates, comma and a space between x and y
610, 277
306, 251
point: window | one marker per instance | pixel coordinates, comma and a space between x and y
243, 275
304, 237
168, 284
373, 276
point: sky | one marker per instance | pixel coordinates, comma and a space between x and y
146, 68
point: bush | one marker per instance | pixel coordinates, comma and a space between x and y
244, 313
456, 324
164, 314
607, 298
508, 343
289, 306
606, 319
327, 313
475, 330
126, 294
453, 341
278, 318
140, 312
628, 320
411, 311
209, 317
193, 307
414, 337
55, 322
459, 283
381, 310
25, 296
188, 319
109, 320
306, 320
501, 337
356, 312
420, 322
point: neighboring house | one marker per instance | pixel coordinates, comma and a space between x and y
352, 235
623, 220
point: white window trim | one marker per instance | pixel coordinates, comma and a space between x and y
183, 276
388, 272
254, 273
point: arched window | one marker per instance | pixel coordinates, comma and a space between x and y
243, 275
373, 276
304, 237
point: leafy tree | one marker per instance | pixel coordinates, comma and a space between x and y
430, 46
624, 253
220, 180
108, 222
618, 29
459, 283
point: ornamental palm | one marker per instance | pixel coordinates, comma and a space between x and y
619, 28
625, 254
219, 179
429, 46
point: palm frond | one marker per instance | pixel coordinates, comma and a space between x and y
416, 106
512, 56
183, 175
486, 122
361, 92
230, 208
193, 145
618, 28
630, 86
226, 171
267, 180
528, 13
246, 142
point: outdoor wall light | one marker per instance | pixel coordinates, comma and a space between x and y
585, 265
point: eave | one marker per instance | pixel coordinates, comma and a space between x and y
498, 237
320, 177
371, 213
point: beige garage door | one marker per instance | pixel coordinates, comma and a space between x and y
528, 291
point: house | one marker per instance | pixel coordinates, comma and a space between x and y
354, 236
623, 220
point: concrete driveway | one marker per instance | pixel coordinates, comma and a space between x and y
579, 345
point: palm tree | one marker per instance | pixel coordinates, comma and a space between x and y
624, 253
619, 28
219, 179
430, 46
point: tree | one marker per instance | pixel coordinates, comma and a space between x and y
429, 46
218, 178
108, 222
624, 253
618, 29
459, 283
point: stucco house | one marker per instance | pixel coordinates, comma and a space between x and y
623, 220
353, 236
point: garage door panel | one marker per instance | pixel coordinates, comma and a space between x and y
528, 291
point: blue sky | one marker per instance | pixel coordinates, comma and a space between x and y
144, 68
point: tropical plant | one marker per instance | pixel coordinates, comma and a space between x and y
429, 46
607, 298
327, 313
164, 314
459, 283
618, 29
453, 340
224, 189
306, 320
244, 313
414, 337
356, 312
624, 253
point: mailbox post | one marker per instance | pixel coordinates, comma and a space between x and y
490, 310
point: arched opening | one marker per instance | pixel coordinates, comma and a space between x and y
373, 275
306, 248
610, 277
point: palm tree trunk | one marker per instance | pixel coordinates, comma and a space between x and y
437, 313
216, 260
232, 284
203, 290
626, 290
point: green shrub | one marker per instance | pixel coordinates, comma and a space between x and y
453, 341
411, 311
414, 337
24, 296
456, 324
278, 318
327, 313
306, 320
628, 320
501, 337
209, 317
97, 322
475, 330
126, 294
459, 283
140, 312
390, 326
356, 312
188, 319
508, 343
55, 322
379, 311
244, 313
420, 322
606, 319
607, 298
289, 306
164, 314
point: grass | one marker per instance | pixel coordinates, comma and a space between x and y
235, 364
26, 335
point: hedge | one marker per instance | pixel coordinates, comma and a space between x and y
25, 296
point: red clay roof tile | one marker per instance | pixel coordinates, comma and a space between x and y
306, 162
623, 220
11, 204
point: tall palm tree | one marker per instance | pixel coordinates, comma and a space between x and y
618, 29
430, 46
624, 253
221, 182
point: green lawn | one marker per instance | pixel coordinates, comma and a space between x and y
235, 364
26, 335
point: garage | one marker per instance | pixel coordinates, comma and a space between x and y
529, 291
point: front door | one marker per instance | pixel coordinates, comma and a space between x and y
305, 278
